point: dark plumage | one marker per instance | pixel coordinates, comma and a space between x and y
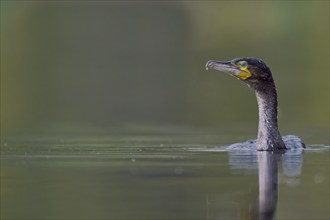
257, 75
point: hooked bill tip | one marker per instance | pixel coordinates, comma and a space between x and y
208, 66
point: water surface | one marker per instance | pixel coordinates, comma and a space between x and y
160, 175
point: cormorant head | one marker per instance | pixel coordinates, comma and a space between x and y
254, 72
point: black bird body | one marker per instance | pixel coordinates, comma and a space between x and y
257, 75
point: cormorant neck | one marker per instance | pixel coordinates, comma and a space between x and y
269, 137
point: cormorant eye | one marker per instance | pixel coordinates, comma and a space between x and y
244, 64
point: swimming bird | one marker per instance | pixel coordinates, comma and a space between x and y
257, 75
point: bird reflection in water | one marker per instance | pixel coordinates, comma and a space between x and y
267, 165
268, 184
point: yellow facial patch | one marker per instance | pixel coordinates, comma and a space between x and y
245, 74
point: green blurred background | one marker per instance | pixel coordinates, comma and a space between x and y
70, 66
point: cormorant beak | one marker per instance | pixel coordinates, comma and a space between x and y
224, 66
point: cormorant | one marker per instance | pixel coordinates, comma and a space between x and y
257, 75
